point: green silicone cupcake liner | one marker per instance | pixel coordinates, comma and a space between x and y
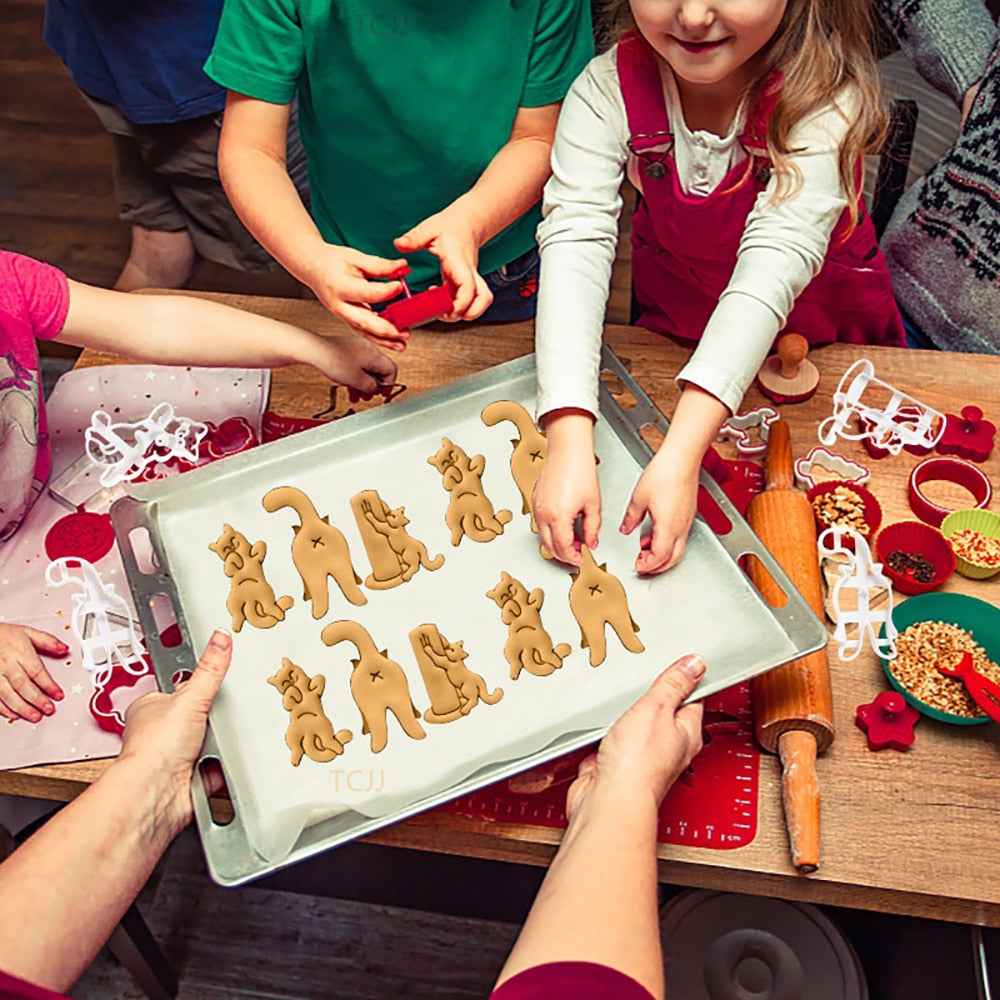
987, 523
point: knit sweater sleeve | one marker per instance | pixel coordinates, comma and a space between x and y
948, 41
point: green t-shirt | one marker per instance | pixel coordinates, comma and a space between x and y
403, 103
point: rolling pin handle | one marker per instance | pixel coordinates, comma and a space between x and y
800, 792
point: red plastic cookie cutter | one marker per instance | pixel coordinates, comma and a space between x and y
887, 722
415, 310
102, 706
983, 691
968, 436
954, 470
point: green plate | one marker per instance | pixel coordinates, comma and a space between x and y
970, 613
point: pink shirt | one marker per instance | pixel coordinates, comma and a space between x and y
571, 981
17, 989
34, 300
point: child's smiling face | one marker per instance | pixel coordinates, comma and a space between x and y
708, 42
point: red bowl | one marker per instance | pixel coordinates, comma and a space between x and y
872, 514
916, 539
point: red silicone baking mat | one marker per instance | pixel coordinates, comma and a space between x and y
713, 805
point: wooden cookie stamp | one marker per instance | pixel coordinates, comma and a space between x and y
789, 376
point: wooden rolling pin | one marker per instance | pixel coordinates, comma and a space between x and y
793, 704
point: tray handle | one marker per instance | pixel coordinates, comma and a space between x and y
796, 617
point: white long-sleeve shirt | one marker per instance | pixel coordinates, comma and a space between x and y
782, 248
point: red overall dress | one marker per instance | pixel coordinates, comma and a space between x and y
684, 248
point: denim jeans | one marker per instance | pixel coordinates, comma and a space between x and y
515, 290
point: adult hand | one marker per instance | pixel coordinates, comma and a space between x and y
352, 361
646, 750
165, 731
670, 496
26, 687
450, 237
344, 281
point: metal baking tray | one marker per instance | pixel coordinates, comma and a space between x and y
284, 814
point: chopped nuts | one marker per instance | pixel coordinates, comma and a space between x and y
975, 547
841, 506
924, 646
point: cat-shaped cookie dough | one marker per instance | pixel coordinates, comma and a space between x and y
596, 599
310, 733
453, 688
469, 510
395, 555
251, 598
530, 448
319, 550
528, 645
378, 685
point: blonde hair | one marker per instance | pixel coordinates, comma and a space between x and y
820, 47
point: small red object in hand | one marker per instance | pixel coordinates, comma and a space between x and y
414, 310
888, 722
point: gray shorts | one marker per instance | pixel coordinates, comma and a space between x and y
166, 177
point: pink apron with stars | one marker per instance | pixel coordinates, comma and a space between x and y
684, 247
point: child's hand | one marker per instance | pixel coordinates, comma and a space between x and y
26, 687
352, 361
567, 487
343, 281
646, 750
449, 237
669, 494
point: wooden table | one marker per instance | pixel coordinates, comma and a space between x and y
915, 833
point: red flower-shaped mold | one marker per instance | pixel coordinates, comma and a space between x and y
887, 721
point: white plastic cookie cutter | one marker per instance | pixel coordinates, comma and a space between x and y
126, 450
100, 620
842, 468
737, 429
857, 572
887, 428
